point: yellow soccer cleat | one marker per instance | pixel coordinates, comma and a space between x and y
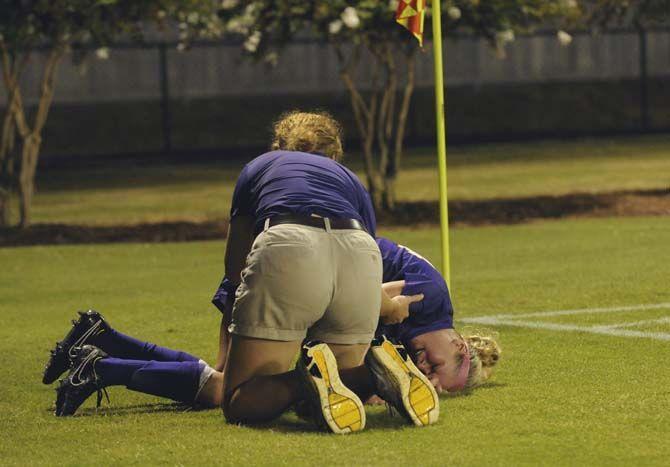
400, 383
334, 406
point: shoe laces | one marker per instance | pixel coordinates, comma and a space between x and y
93, 330
390, 410
76, 379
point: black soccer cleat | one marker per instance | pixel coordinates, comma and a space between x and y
81, 382
89, 325
400, 383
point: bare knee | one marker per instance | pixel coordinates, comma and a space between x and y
241, 406
233, 407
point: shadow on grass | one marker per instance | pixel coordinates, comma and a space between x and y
290, 423
472, 392
378, 416
445, 396
137, 409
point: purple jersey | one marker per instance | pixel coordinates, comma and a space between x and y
289, 182
435, 311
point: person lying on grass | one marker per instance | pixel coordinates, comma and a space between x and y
306, 271
452, 362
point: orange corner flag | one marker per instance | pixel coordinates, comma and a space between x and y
410, 14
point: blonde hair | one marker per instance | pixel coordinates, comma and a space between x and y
313, 132
484, 356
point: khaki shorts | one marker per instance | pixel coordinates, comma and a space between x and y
304, 281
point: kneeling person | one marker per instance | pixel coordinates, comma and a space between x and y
303, 264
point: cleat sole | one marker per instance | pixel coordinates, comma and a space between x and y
419, 397
342, 410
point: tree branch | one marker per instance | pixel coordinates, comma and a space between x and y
47, 89
410, 61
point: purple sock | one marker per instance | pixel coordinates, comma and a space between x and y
117, 344
179, 381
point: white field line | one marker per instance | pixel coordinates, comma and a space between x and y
663, 336
636, 323
610, 330
614, 309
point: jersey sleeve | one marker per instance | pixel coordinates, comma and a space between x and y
241, 204
367, 212
224, 294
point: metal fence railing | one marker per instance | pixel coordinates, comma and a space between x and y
157, 76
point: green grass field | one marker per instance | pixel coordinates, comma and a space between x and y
572, 388
136, 194
559, 397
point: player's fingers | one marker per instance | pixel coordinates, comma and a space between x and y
415, 298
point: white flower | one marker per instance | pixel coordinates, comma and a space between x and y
393, 5
236, 26
570, 3
102, 53
335, 26
183, 35
272, 58
193, 17
181, 47
229, 4
454, 12
505, 36
250, 10
350, 17
160, 14
564, 38
251, 44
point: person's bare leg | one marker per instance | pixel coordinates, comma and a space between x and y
349, 356
211, 394
257, 386
353, 373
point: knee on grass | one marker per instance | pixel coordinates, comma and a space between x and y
242, 406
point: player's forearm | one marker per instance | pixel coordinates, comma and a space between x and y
387, 305
390, 311
223, 346
224, 337
240, 238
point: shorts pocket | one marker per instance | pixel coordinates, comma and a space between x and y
286, 259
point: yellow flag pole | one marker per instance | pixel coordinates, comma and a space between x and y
441, 139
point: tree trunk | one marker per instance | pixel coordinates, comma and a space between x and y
384, 55
29, 153
393, 167
32, 139
11, 72
376, 116
7, 140
365, 114
5, 208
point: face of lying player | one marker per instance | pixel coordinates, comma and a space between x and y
436, 354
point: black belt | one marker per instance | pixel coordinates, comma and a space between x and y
337, 223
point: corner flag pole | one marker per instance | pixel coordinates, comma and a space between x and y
410, 14
441, 139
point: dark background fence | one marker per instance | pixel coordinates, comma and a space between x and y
152, 98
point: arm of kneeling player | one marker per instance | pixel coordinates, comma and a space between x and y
240, 238
395, 310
